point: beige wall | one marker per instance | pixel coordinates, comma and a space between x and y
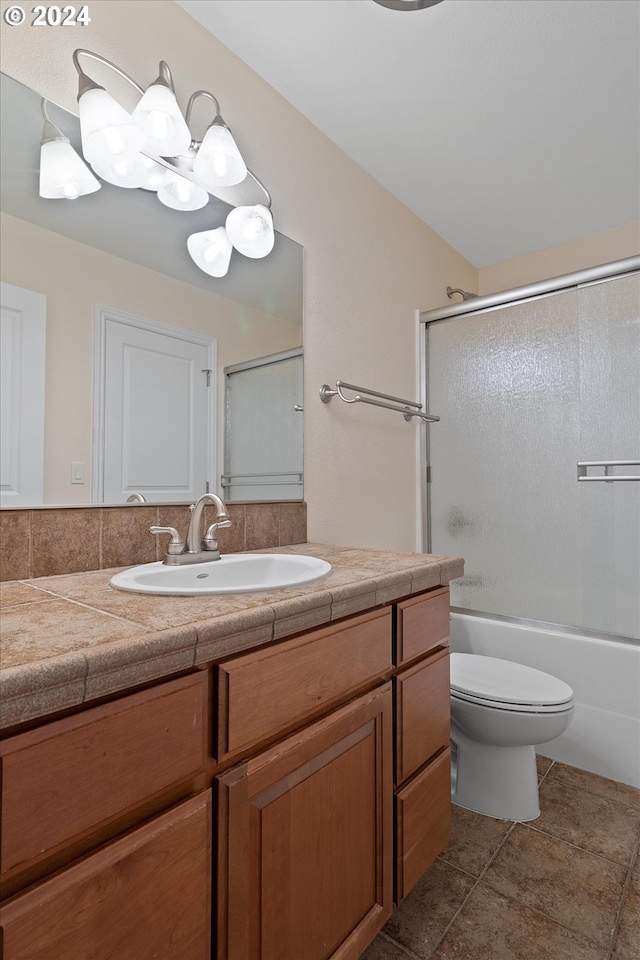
568, 257
75, 278
369, 262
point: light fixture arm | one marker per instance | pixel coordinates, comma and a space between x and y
167, 76
50, 133
108, 63
268, 203
192, 100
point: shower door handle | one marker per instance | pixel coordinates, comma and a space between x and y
607, 477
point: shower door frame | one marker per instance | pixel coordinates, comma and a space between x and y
480, 305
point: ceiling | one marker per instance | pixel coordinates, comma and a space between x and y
509, 126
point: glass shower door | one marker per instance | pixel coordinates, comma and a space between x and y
525, 392
264, 429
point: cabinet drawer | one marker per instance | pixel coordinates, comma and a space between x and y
421, 623
146, 895
67, 777
423, 822
263, 692
422, 713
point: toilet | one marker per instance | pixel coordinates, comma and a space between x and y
499, 711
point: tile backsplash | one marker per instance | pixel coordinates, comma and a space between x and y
47, 542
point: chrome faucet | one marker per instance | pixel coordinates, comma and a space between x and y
196, 550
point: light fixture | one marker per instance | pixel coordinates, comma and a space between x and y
250, 230
158, 114
152, 148
155, 174
181, 194
218, 162
211, 251
108, 132
63, 175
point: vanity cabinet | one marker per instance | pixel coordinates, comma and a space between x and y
324, 758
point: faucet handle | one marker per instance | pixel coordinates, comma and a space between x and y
176, 543
210, 541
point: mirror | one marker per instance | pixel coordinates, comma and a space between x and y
122, 250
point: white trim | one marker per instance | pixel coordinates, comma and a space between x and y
102, 316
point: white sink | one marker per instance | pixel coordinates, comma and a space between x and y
233, 573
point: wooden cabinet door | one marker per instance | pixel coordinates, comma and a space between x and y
305, 840
146, 896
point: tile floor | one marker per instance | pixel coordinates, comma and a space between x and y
564, 887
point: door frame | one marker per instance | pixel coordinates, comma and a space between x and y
102, 317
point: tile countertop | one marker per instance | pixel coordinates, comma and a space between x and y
70, 639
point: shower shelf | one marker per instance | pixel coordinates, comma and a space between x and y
408, 408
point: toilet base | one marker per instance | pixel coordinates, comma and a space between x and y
497, 781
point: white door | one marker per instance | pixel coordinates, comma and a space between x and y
154, 410
22, 358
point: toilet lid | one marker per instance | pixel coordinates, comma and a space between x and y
503, 681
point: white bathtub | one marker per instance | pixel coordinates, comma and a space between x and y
604, 736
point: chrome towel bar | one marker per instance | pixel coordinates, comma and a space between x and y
408, 408
260, 479
607, 476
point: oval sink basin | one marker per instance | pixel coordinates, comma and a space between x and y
233, 573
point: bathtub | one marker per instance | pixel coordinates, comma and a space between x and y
604, 735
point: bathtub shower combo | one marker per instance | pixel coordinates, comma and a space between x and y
533, 477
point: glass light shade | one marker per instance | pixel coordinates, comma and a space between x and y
211, 251
63, 175
155, 174
218, 162
129, 172
250, 230
108, 132
158, 115
181, 194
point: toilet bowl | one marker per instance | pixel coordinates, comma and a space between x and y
499, 711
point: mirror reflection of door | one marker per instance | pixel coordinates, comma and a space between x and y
264, 428
155, 396
22, 355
